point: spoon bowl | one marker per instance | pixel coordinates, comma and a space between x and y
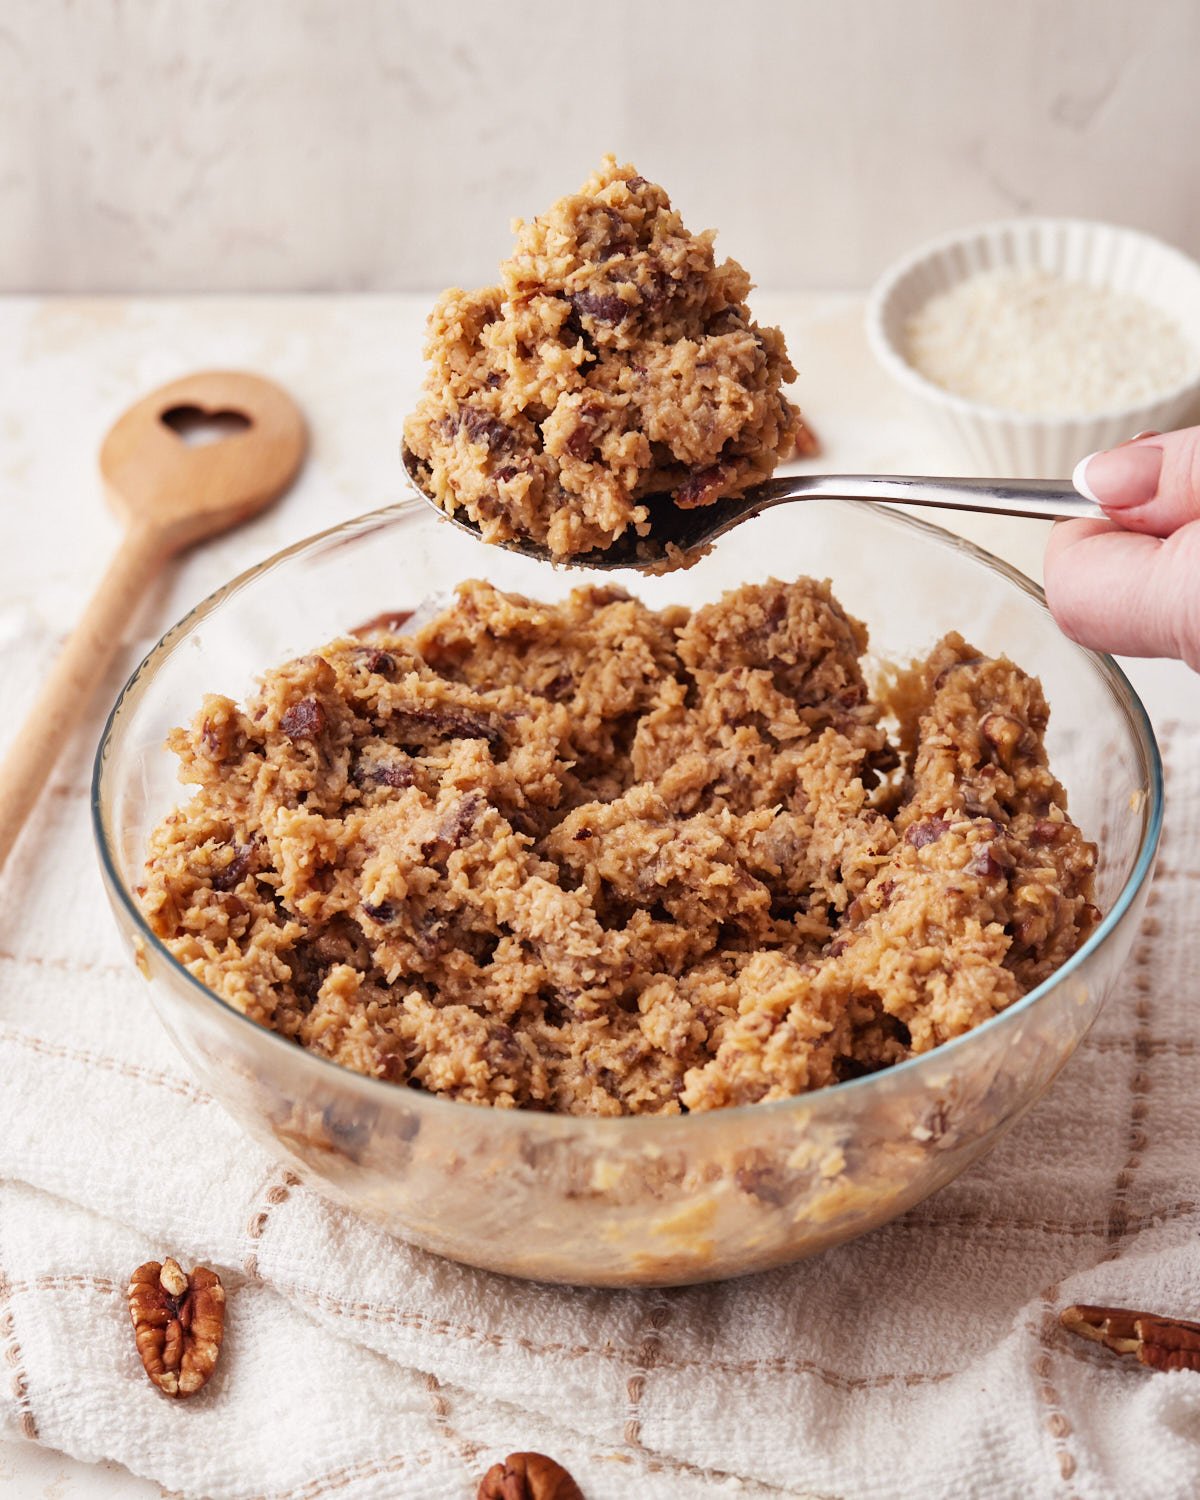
677, 535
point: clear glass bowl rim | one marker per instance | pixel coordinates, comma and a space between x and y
652, 1130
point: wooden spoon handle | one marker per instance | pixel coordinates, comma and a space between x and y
81, 664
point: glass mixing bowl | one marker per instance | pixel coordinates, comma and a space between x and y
639, 1201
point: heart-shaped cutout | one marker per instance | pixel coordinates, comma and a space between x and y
197, 428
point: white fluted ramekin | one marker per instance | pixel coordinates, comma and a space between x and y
1019, 444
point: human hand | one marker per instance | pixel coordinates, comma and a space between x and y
1131, 584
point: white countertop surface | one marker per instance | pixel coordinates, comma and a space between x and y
71, 366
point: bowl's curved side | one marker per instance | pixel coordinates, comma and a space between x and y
745, 1191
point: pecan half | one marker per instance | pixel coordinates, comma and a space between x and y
1160, 1343
528, 1476
178, 1324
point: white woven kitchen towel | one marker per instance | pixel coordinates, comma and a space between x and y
922, 1360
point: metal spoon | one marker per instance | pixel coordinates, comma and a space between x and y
689, 530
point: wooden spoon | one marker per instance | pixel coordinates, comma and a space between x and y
170, 495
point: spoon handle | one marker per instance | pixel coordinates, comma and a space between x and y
1044, 499
80, 666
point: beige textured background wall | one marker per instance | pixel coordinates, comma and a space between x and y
293, 144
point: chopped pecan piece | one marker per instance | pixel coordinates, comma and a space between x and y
601, 307
528, 1476
955, 666
807, 444
700, 488
1160, 1343
304, 720
384, 912
766, 1183
178, 1324
1006, 736
381, 662
482, 427
396, 772
220, 738
457, 823
454, 723
986, 864
928, 832
581, 443
236, 870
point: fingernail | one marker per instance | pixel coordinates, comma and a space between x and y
1079, 479
1119, 477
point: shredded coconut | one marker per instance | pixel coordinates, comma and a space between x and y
1031, 341
602, 859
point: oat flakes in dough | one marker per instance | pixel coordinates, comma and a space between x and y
614, 360
593, 858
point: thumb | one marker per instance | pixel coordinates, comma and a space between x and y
1151, 485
